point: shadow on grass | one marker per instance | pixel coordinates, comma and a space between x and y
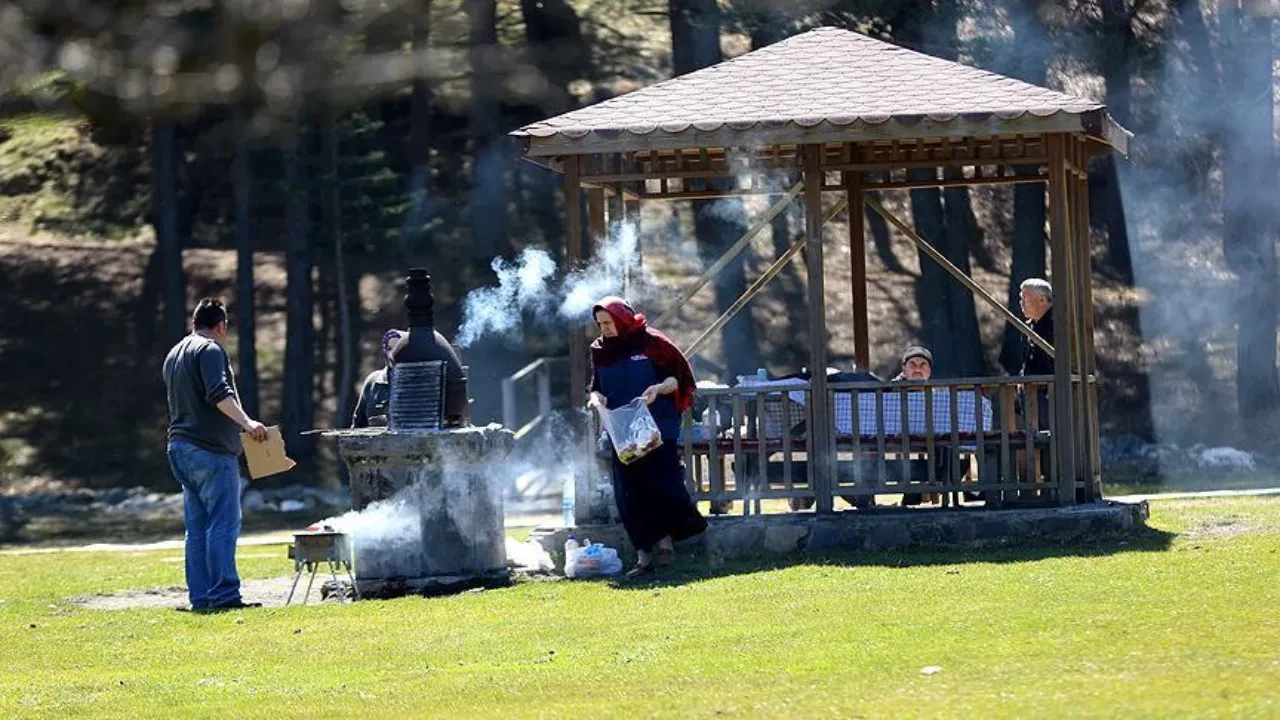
696, 566
83, 527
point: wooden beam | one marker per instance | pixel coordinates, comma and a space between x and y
720, 264
858, 270
820, 430
709, 194
1063, 300
765, 278
958, 274
956, 182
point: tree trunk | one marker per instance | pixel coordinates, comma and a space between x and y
298, 412
920, 30
1029, 61
347, 339
932, 291
695, 44
488, 200
418, 144
882, 239
1249, 219
164, 208
1029, 215
962, 234
1120, 47
246, 314
553, 32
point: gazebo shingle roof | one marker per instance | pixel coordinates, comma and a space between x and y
824, 85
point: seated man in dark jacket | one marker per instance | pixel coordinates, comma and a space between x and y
375, 394
1037, 308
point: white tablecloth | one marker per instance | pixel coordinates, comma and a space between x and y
869, 417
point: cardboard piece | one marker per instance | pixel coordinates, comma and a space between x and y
266, 458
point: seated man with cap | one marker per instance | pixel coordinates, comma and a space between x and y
917, 364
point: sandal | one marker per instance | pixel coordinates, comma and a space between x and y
665, 556
639, 571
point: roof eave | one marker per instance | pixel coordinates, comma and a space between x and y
1097, 123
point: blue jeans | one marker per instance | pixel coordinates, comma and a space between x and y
211, 508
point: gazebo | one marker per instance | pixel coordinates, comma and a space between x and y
834, 111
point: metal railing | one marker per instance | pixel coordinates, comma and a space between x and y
529, 387
989, 438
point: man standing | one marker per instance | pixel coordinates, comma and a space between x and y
205, 420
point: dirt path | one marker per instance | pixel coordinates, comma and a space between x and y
271, 592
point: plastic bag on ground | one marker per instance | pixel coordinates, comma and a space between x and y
594, 560
632, 430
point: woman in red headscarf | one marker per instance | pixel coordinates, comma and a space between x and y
631, 360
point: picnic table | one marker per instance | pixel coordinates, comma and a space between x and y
880, 449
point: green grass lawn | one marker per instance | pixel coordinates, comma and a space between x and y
1177, 621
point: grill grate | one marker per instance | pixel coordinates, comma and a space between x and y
417, 396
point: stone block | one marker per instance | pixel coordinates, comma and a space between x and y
824, 536
785, 538
853, 536
926, 533
889, 533
992, 529
1062, 526
958, 531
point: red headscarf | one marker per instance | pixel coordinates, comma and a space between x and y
635, 337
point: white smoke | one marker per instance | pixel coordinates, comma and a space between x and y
522, 287
525, 289
619, 255
386, 536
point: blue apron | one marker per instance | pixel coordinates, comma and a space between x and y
627, 380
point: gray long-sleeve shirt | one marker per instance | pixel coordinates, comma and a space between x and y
197, 376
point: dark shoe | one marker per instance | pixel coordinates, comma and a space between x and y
665, 556
237, 605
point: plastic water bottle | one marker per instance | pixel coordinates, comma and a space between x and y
568, 502
762, 374
571, 549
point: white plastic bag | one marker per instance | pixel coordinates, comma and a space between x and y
632, 430
594, 560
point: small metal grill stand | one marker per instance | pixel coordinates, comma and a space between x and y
417, 395
310, 549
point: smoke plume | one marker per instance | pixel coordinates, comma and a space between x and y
527, 291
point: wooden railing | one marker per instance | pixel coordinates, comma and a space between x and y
989, 439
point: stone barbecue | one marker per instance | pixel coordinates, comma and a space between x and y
427, 482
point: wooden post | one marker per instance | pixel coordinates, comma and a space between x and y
1093, 456
573, 256
819, 404
1063, 303
597, 223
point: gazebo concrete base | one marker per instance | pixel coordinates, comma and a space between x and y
728, 538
